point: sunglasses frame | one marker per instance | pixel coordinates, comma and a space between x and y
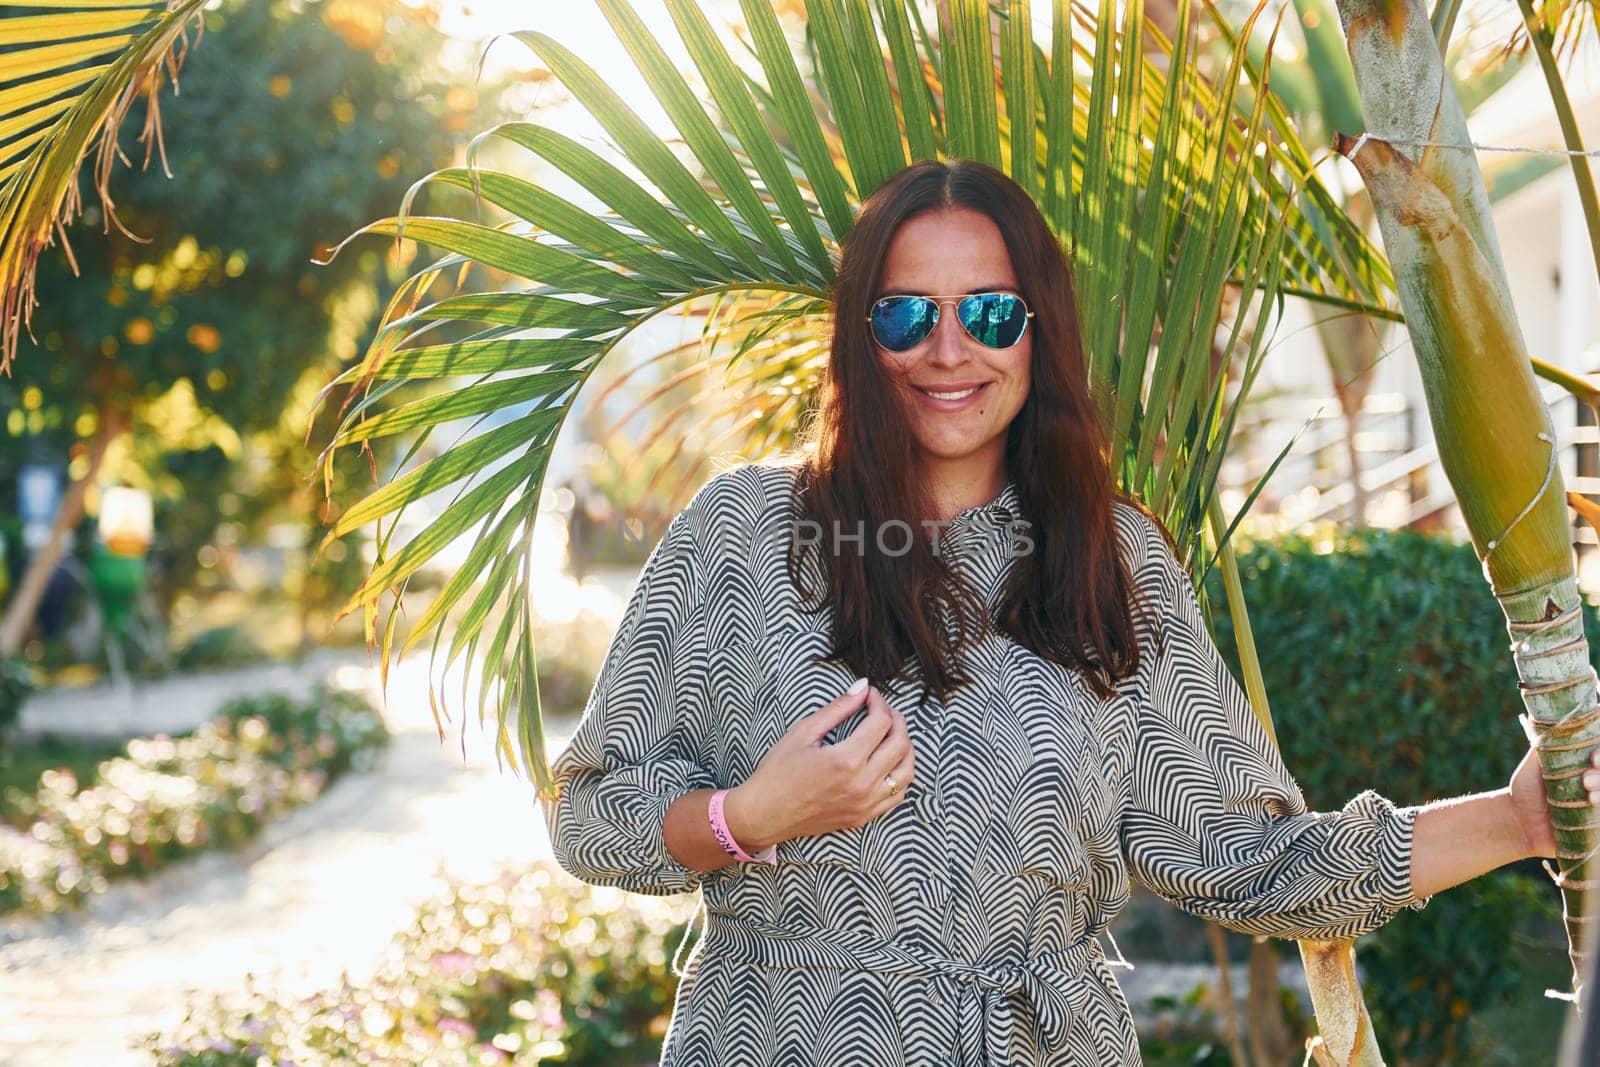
938, 306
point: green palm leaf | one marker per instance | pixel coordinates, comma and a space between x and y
1176, 202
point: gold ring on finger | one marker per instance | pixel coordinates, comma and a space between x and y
894, 786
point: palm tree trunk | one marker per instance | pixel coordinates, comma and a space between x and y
1227, 1007
1496, 442
1352, 345
1270, 1040
1347, 1039
1358, 492
24, 603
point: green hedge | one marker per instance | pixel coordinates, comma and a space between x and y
167, 798
1386, 661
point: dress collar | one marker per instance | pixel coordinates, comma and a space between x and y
1003, 509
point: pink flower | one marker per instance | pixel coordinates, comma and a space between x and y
454, 964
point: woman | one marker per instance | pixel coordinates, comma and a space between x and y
916, 870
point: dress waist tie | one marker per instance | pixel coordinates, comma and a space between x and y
1050, 987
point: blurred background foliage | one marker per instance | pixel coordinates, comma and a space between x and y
1387, 652
198, 321
528, 967
154, 801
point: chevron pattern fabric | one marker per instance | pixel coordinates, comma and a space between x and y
961, 928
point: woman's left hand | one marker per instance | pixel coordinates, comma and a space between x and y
1528, 802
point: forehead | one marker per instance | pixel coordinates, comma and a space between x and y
954, 250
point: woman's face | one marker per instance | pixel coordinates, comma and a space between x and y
952, 252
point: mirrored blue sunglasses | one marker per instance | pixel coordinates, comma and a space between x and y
997, 320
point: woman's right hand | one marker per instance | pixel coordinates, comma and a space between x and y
803, 786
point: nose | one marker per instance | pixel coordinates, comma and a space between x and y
947, 344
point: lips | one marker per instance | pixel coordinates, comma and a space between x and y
953, 392
951, 398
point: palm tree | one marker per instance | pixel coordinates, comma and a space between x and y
1496, 442
1175, 200
1319, 88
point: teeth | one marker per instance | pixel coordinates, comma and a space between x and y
953, 396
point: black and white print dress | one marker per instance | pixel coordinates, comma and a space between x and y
960, 928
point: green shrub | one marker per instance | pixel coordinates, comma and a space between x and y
16, 682
23, 765
1184, 1034
1387, 665
569, 659
530, 967
220, 646
333, 729
167, 798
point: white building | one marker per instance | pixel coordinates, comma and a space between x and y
1555, 284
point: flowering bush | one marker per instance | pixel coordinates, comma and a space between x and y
169, 797
528, 968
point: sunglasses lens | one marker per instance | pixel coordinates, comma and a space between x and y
995, 319
901, 322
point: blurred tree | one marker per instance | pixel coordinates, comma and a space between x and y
192, 320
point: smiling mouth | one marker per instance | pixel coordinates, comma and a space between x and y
953, 394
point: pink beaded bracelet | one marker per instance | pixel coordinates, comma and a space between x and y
719, 826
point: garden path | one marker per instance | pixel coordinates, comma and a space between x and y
319, 891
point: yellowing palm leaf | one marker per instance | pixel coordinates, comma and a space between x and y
69, 76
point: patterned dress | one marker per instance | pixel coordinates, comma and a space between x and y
960, 928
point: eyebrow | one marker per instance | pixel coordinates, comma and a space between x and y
986, 288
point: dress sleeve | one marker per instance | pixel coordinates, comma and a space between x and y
634, 750
1217, 825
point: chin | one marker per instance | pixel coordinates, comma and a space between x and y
953, 450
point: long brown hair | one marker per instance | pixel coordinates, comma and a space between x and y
1068, 600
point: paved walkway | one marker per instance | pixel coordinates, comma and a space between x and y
321, 891
168, 705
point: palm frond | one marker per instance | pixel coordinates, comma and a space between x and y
69, 77
1570, 23
1177, 200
